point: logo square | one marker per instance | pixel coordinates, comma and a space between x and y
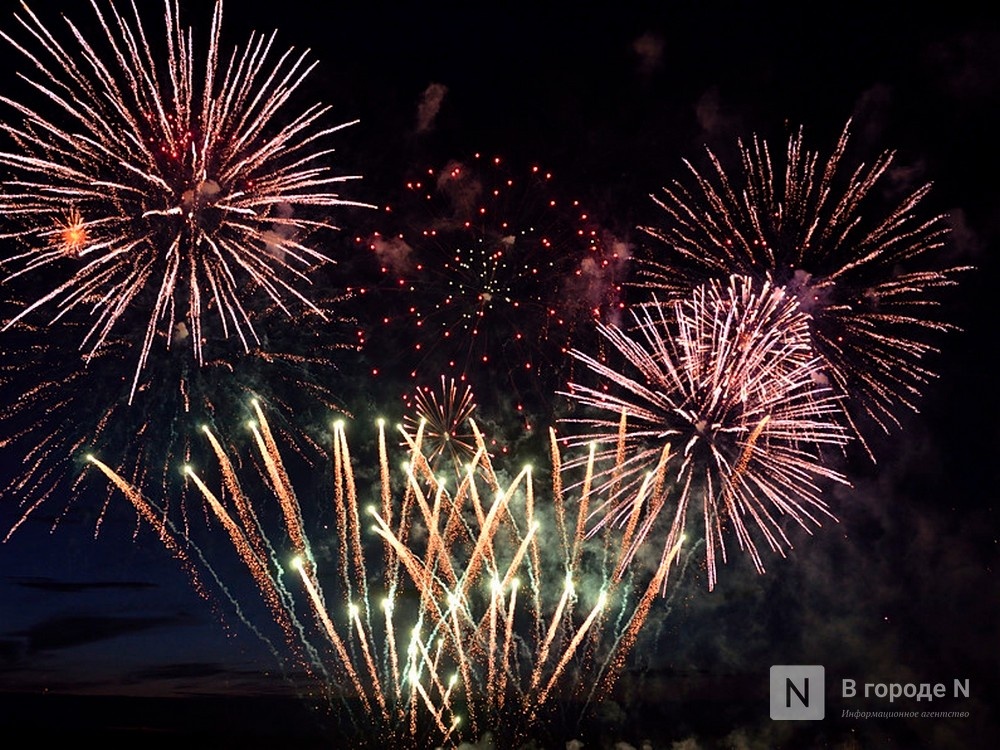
798, 692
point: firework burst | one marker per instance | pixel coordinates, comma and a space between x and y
162, 191
866, 277
494, 274
443, 420
716, 401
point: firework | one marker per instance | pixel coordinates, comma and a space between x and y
494, 275
866, 276
86, 404
716, 400
444, 423
163, 193
460, 604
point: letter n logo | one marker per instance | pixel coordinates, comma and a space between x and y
797, 692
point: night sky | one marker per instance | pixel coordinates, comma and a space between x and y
105, 636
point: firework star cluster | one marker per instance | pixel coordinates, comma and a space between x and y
172, 296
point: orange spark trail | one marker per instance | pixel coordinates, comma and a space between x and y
571, 649
279, 483
255, 564
331, 632
148, 514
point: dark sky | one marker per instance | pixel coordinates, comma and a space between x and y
611, 98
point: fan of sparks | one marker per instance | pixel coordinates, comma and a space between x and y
866, 277
451, 605
163, 192
716, 401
